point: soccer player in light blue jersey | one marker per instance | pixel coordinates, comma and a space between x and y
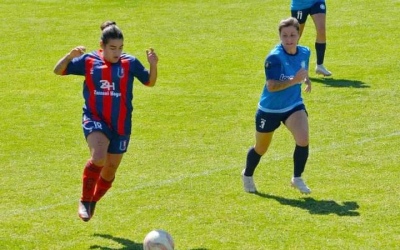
300, 10
286, 68
107, 114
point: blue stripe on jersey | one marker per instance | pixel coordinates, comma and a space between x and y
281, 66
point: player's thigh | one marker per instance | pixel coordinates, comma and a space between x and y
320, 26
319, 20
266, 124
297, 123
114, 160
98, 144
263, 140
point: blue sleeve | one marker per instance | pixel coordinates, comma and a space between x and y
139, 71
273, 67
76, 66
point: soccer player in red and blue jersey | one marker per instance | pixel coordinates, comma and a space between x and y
107, 113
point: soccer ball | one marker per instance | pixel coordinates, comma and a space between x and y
158, 240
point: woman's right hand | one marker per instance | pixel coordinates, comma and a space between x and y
76, 52
300, 76
63, 62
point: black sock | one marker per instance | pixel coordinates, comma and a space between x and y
251, 162
320, 48
300, 156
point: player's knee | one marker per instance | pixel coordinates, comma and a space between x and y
261, 150
99, 159
302, 142
108, 174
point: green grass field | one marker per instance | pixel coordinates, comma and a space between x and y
192, 131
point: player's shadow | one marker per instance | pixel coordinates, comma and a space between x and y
126, 244
340, 83
321, 207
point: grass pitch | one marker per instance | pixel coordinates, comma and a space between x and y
192, 131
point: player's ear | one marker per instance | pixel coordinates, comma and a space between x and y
102, 46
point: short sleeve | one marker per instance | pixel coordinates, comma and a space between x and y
140, 72
76, 66
272, 67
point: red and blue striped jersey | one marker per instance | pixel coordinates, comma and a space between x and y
108, 87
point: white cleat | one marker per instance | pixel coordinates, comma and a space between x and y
297, 182
83, 210
248, 183
321, 70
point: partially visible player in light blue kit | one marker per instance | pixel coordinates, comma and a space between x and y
300, 9
286, 68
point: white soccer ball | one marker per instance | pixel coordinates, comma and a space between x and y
158, 240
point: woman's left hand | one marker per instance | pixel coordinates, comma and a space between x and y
152, 57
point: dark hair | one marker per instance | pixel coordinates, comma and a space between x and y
291, 21
110, 30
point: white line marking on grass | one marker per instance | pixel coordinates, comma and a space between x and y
378, 137
7, 213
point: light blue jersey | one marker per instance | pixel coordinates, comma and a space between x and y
282, 66
303, 4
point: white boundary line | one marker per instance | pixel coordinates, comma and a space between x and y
8, 213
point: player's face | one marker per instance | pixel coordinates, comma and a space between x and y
112, 50
289, 38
